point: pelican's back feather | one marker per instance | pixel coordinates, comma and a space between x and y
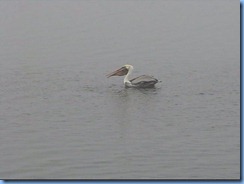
144, 81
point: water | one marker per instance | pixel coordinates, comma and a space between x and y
61, 118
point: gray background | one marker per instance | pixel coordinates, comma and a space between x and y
60, 117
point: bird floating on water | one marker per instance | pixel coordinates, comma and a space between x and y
143, 81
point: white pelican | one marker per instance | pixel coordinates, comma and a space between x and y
143, 81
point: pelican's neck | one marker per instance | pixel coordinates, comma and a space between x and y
126, 79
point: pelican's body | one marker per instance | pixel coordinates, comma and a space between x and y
143, 81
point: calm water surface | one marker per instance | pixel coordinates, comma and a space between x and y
61, 118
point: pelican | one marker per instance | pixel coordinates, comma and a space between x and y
143, 81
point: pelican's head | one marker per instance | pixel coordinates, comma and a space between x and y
129, 67
122, 71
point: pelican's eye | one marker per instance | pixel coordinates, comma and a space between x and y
126, 67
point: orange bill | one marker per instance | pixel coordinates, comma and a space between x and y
120, 72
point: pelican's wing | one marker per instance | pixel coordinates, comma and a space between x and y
144, 81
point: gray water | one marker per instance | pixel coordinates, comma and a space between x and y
61, 118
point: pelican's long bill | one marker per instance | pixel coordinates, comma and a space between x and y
120, 72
